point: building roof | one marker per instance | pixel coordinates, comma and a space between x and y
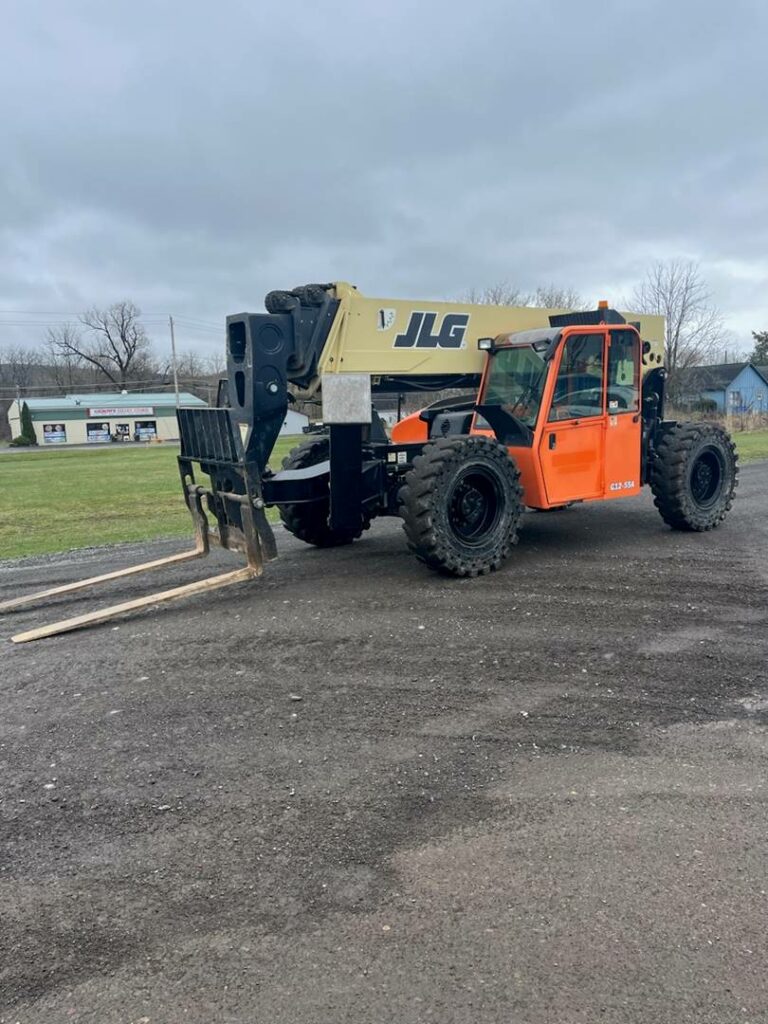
717, 377
112, 400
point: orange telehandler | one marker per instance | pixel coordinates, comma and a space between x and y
565, 407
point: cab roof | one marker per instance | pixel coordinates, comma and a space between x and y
547, 335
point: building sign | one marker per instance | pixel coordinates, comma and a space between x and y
54, 433
124, 410
97, 432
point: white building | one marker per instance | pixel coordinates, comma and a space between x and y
294, 423
116, 416
102, 417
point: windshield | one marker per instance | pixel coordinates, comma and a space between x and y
516, 381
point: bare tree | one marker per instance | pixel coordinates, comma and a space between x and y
551, 296
190, 365
505, 294
500, 294
148, 371
199, 374
694, 328
115, 341
759, 354
216, 365
66, 366
19, 371
19, 367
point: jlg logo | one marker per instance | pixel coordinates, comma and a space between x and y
419, 331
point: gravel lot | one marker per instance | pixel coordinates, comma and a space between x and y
355, 792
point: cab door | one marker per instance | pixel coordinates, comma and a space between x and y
623, 425
572, 442
591, 441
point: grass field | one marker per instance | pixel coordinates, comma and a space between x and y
752, 445
58, 500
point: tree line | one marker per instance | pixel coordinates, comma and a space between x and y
109, 347
104, 349
696, 333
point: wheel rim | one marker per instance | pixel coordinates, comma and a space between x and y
474, 506
707, 477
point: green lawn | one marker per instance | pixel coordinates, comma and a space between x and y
57, 500
752, 445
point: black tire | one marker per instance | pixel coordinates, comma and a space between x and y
694, 476
309, 522
280, 302
461, 504
311, 294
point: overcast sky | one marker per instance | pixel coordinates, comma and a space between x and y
192, 156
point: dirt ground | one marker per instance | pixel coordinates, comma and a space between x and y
356, 792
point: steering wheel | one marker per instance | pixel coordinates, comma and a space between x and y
591, 398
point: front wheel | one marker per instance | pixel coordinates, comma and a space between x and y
461, 505
309, 520
694, 476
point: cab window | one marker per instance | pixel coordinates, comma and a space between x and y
516, 381
623, 372
579, 384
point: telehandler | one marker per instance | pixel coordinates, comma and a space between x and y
566, 407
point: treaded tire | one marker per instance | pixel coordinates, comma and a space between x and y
309, 522
280, 302
694, 476
311, 294
461, 504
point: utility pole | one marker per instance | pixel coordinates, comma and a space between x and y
173, 360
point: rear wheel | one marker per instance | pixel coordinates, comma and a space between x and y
694, 476
309, 521
461, 505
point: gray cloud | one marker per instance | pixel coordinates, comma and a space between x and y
193, 156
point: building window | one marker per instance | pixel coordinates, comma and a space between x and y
735, 397
145, 430
97, 433
54, 433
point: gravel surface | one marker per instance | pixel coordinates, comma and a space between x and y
356, 792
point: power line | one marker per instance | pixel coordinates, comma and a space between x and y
147, 314
150, 382
151, 324
144, 320
198, 320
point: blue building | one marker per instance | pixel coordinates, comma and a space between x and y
727, 387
